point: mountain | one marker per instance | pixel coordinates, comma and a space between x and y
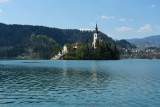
16, 34
146, 45
38, 41
154, 40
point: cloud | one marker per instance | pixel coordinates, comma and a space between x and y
0, 10
2, 1
123, 29
145, 29
108, 17
84, 29
112, 36
153, 6
122, 20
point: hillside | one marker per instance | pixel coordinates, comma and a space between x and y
154, 40
16, 39
16, 34
146, 45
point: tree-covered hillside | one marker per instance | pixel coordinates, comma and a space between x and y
15, 40
16, 34
154, 40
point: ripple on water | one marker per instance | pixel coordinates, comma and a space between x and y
90, 83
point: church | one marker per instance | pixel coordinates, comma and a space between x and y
96, 38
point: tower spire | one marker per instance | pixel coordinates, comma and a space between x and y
96, 29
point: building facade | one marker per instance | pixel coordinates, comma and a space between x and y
95, 37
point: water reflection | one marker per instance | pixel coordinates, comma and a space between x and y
94, 73
91, 83
34, 85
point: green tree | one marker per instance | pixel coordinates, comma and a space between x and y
57, 49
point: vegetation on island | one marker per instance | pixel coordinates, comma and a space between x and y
103, 51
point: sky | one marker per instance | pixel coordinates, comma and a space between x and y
119, 19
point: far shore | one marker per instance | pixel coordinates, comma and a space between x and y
29, 58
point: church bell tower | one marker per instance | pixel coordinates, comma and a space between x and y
95, 37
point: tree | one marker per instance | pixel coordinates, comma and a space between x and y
103, 51
57, 49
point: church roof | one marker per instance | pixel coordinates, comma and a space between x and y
96, 29
76, 44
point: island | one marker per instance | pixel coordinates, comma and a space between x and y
97, 50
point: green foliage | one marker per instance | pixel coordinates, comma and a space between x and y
79, 52
124, 44
12, 51
104, 51
41, 46
57, 49
36, 47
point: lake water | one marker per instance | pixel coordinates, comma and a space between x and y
123, 83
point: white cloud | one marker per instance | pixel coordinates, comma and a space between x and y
108, 17
2, 1
0, 10
109, 35
122, 20
84, 29
112, 36
145, 29
123, 29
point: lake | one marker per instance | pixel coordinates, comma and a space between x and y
122, 83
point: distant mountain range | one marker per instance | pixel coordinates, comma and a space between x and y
154, 40
146, 45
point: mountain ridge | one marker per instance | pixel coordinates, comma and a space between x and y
154, 40
146, 45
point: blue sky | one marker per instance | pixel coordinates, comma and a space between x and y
120, 19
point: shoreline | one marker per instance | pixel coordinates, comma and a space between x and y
71, 59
